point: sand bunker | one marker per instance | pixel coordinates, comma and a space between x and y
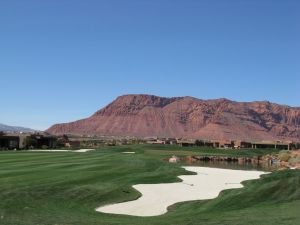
64, 150
48, 150
207, 184
83, 150
128, 152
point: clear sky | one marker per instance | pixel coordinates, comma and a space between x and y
61, 60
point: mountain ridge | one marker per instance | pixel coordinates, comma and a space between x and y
7, 128
150, 115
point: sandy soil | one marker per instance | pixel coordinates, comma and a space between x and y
207, 184
57, 150
83, 150
48, 150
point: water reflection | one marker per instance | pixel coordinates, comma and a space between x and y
230, 165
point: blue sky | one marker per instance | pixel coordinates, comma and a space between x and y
62, 60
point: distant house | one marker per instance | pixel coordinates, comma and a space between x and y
284, 145
204, 143
155, 140
171, 141
187, 142
12, 141
9, 142
45, 140
226, 144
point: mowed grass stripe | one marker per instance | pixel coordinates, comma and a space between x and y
65, 188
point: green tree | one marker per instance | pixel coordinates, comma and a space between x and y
30, 142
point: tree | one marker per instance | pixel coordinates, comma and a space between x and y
30, 142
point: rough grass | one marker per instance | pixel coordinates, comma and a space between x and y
65, 188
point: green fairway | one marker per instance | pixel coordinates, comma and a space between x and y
64, 188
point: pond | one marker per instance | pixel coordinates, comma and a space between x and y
230, 165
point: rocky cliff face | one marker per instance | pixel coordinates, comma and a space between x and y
147, 115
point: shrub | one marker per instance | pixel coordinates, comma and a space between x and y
284, 156
44, 147
30, 142
294, 160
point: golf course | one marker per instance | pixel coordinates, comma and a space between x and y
65, 188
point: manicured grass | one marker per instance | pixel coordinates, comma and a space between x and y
169, 150
65, 188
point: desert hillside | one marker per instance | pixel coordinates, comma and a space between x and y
148, 115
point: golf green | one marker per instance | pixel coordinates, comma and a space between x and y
65, 188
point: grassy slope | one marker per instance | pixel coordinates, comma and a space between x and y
167, 150
64, 188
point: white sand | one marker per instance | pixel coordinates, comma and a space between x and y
128, 152
83, 150
207, 184
48, 150
64, 150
